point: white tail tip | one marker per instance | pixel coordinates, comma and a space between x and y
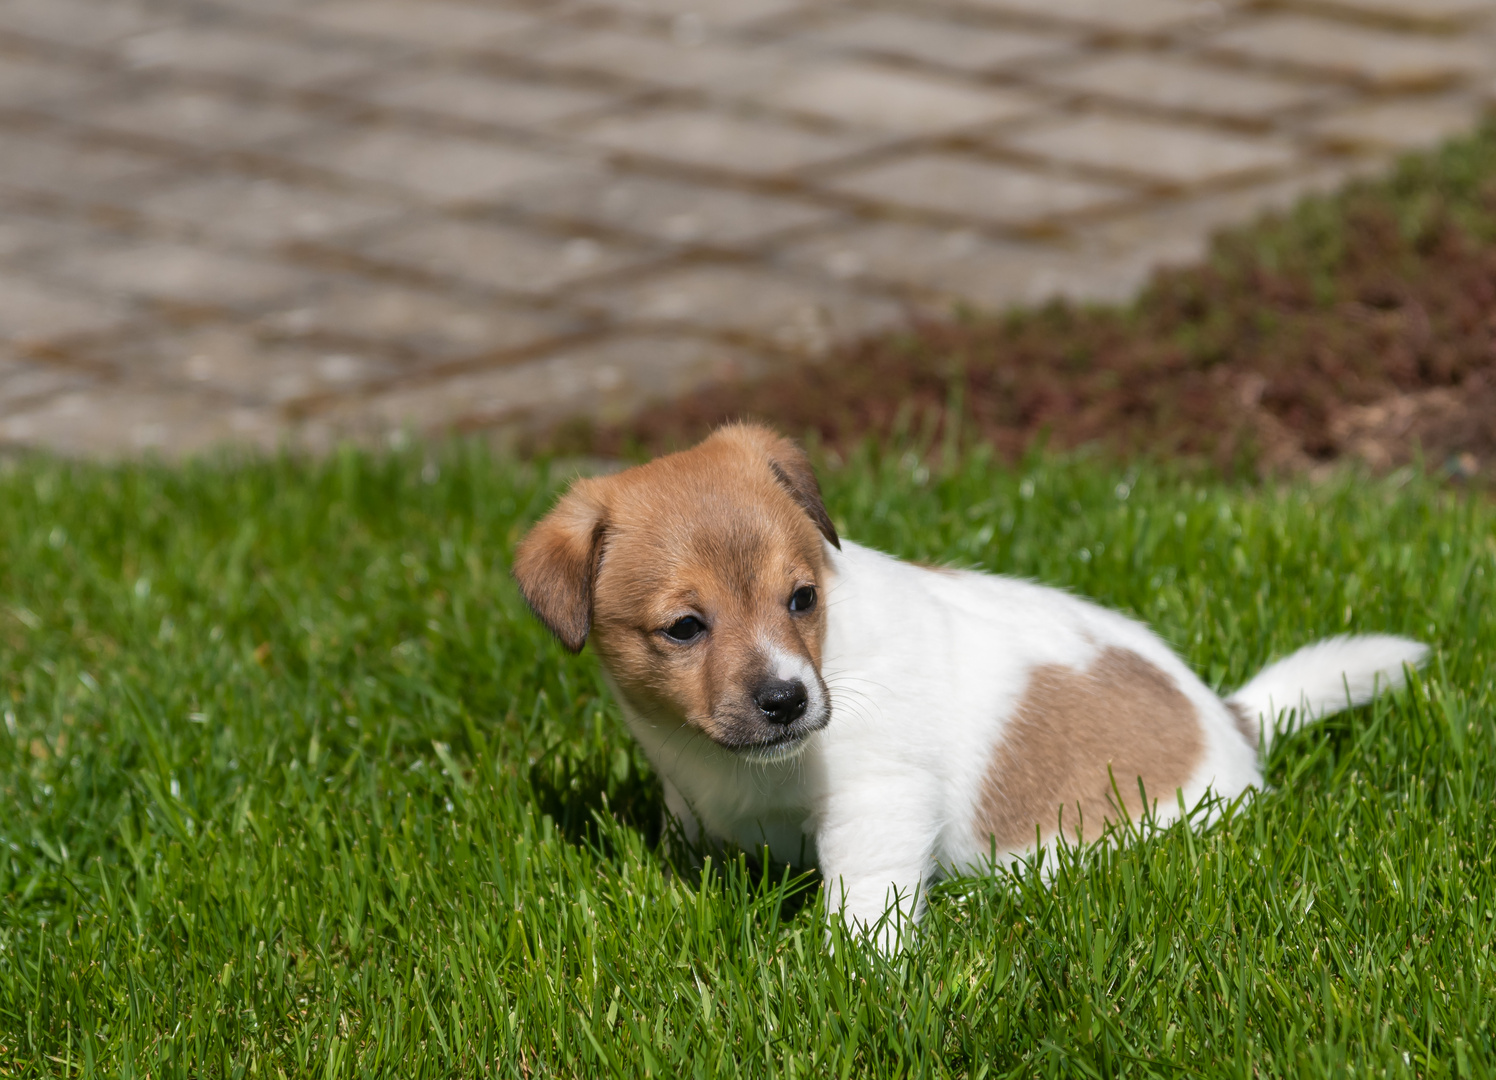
1326, 677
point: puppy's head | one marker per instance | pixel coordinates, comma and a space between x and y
699, 579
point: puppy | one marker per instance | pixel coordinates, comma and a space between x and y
882, 720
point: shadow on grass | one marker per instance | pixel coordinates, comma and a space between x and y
590, 806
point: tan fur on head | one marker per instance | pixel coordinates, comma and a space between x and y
555, 563
725, 533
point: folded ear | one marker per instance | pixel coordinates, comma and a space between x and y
556, 562
793, 471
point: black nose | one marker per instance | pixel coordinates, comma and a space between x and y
781, 701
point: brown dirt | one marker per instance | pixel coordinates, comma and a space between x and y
1355, 327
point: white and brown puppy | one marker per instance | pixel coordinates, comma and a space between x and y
882, 720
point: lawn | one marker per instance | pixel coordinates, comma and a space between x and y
292, 785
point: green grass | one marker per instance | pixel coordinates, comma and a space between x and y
292, 785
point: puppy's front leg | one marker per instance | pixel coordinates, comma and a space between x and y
876, 847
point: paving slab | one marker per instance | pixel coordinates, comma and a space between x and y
1414, 124
287, 222
605, 380
944, 265
80, 23
434, 24
25, 383
26, 233
262, 211
715, 13
241, 53
1184, 85
1388, 59
861, 94
485, 98
1108, 263
63, 167
975, 188
709, 139
1130, 17
668, 211
1418, 11
198, 118
1172, 153
1178, 232
111, 421
34, 313
176, 273
30, 82
509, 258
428, 326
939, 42
801, 315
438, 168
647, 60
238, 365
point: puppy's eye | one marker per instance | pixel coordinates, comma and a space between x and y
803, 598
687, 629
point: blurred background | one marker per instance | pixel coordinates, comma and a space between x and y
276, 222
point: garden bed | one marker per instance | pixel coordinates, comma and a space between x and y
1359, 325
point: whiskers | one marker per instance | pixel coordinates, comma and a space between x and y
852, 695
681, 739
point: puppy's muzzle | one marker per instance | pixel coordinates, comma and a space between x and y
782, 701
773, 716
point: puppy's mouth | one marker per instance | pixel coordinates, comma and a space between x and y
780, 748
749, 737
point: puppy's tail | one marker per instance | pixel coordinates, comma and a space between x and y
1323, 678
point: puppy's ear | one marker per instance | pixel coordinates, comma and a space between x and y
792, 469
556, 562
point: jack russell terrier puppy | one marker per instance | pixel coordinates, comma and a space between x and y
882, 720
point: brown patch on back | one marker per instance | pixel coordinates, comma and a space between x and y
1070, 726
1244, 722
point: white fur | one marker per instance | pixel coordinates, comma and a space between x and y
924, 668
1325, 677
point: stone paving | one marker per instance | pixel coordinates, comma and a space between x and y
291, 221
